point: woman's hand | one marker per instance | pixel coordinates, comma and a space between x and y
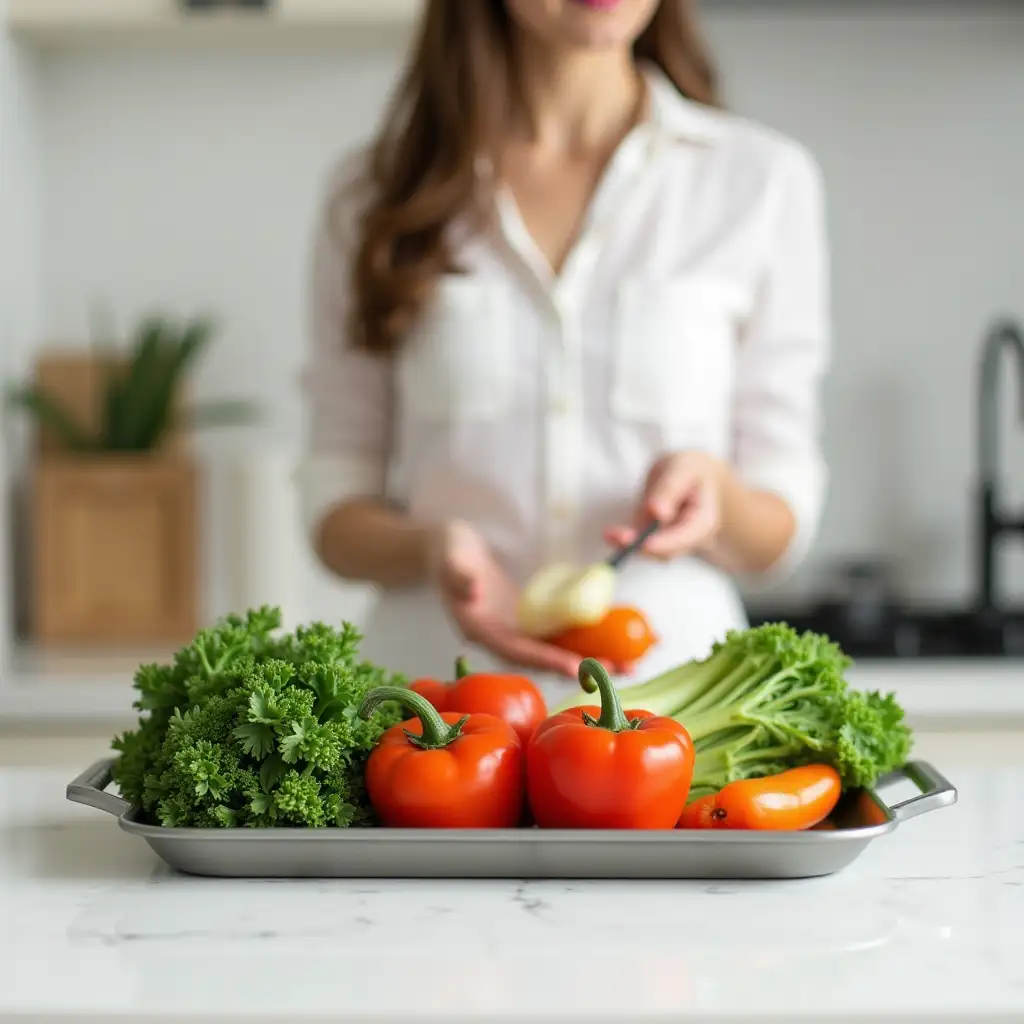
482, 601
684, 493
706, 510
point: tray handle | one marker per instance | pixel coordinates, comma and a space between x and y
936, 790
89, 788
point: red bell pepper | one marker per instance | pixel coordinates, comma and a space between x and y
602, 767
443, 769
512, 698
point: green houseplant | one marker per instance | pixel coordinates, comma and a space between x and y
115, 490
138, 393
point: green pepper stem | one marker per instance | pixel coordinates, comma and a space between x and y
592, 676
437, 733
461, 667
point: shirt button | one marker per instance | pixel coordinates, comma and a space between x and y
560, 510
559, 406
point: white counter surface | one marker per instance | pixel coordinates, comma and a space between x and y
94, 687
928, 924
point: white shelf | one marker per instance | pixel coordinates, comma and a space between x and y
84, 24
132, 25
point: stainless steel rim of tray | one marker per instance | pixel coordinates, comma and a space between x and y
861, 817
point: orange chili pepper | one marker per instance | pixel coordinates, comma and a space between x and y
792, 800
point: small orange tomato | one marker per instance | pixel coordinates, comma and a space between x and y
622, 637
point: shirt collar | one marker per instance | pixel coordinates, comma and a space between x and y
671, 116
675, 117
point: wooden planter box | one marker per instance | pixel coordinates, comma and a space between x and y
115, 549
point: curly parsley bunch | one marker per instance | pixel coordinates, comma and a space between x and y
255, 728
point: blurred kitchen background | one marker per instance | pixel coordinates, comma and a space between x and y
156, 160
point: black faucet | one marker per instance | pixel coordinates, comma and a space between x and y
994, 523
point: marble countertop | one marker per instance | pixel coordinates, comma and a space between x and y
928, 923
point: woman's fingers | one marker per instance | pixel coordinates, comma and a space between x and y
459, 583
670, 540
696, 526
680, 498
523, 650
669, 488
457, 563
670, 492
620, 536
520, 649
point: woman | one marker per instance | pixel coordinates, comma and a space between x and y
564, 293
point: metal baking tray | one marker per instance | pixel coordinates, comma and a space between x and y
860, 817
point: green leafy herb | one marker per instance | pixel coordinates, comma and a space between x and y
140, 393
767, 699
251, 727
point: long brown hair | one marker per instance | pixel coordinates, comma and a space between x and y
451, 104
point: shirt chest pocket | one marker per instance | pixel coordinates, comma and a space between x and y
674, 349
458, 363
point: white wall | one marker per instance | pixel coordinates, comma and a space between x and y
20, 197
918, 119
21, 300
191, 181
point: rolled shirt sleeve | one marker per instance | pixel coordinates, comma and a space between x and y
347, 392
783, 356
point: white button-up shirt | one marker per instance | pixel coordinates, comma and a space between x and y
692, 313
